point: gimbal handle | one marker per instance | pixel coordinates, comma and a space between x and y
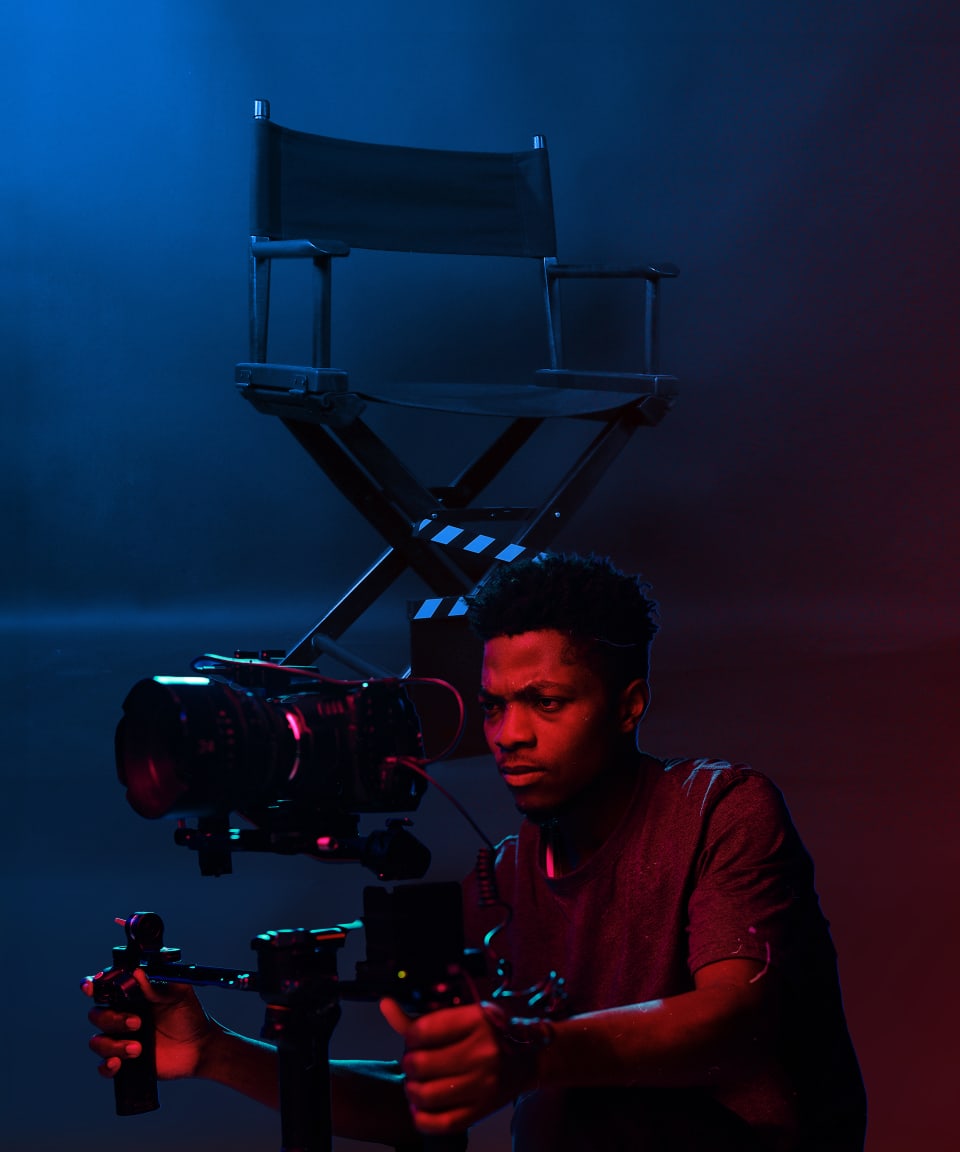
135, 1084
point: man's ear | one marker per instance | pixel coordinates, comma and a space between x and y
633, 702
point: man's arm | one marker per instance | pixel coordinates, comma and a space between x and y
707, 1036
367, 1096
460, 1069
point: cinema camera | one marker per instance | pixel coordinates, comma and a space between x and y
298, 755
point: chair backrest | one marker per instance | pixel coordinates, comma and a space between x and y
391, 198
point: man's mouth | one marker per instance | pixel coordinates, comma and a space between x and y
520, 775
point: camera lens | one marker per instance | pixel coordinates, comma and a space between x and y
189, 746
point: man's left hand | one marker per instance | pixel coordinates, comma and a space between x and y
456, 1067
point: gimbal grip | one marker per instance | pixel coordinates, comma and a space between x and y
135, 1083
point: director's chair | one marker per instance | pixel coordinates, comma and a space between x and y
315, 198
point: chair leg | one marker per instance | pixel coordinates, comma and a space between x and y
382, 513
370, 476
351, 606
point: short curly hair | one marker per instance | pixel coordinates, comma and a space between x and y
606, 614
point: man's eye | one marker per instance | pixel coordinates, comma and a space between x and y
488, 707
549, 703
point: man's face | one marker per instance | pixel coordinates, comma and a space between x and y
551, 723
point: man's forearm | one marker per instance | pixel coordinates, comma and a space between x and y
248, 1066
369, 1102
367, 1096
708, 1036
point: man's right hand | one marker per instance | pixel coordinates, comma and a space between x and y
183, 1030
368, 1098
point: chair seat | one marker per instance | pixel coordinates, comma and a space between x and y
325, 394
525, 400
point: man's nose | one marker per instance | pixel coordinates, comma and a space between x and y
515, 730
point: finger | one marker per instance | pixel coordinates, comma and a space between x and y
150, 992
443, 1123
111, 1048
109, 1068
154, 992
113, 1021
160, 993
439, 1069
444, 1093
395, 1016
447, 1026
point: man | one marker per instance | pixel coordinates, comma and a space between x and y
675, 898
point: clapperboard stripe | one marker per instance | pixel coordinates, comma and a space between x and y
440, 606
475, 542
470, 541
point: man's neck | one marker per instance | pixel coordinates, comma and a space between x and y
573, 834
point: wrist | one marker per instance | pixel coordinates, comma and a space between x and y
217, 1052
522, 1042
212, 1051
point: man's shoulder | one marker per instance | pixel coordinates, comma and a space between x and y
699, 784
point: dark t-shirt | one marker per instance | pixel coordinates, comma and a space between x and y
704, 866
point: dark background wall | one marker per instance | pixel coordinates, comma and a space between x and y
795, 512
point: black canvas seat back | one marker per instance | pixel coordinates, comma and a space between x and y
391, 198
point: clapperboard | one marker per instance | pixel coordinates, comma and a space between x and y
468, 540
441, 644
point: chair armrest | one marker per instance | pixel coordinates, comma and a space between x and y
610, 272
287, 248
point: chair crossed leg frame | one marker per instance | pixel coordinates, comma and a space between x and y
407, 514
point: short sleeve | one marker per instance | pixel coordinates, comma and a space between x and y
753, 884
